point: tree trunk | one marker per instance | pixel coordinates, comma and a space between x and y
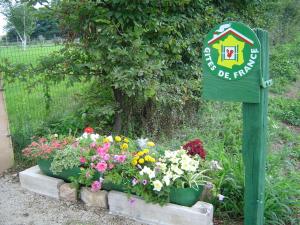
119, 97
24, 43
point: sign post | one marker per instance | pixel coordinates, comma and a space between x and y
236, 68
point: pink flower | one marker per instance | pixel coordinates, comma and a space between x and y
87, 175
145, 182
104, 149
75, 144
94, 157
120, 158
96, 186
93, 145
132, 201
92, 165
82, 159
111, 166
106, 157
101, 166
134, 181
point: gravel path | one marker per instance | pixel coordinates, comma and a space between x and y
21, 207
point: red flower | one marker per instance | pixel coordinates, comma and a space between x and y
195, 147
89, 130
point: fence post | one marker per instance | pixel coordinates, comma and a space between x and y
6, 150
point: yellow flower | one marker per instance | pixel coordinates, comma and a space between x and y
147, 158
106, 140
146, 151
118, 138
126, 140
124, 146
150, 143
136, 158
151, 159
134, 162
141, 161
140, 153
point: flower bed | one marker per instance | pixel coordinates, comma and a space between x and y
119, 163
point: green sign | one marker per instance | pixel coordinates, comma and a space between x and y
231, 60
236, 68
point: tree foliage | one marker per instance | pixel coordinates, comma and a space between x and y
21, 19
148, 53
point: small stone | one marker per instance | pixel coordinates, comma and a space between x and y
67, 192
97, 199
25, 214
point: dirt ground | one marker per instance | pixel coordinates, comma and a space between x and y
21, 207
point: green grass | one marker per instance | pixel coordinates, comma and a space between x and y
219, 125
27, 109
31, 55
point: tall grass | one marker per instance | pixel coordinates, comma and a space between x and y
219, 125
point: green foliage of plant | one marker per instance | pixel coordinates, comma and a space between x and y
286, 110
67, 158
220, 127
284, 65
144, 53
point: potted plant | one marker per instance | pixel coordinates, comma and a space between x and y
44, 149
180, 175
103, 161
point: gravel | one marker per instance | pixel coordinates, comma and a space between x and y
21, 207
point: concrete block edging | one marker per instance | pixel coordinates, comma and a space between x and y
118, 202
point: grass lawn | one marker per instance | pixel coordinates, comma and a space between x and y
31, 55
27, 109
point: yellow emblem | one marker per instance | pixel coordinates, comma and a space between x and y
230, 52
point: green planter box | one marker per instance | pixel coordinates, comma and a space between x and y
185, 196
111, 186
45, 165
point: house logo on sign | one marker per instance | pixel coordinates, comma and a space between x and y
230, 53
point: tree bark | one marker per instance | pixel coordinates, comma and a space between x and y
119, 97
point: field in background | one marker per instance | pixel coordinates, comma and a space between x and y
27, 109
31, 55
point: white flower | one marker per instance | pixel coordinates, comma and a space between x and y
221, 197
214, 165
110, 138
174, 159
170, 154
94, 137
55, 135
162, 166
142, 142
167, 179
157, 185
175, 169
185, 165
148, 171
175, 176
151, 174
85, 135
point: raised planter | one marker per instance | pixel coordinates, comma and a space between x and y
136, 208
45, 165
185, 196
108, 186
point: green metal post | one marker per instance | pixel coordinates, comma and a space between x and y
255, 144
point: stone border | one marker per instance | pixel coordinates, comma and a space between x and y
153, 214
117, 202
